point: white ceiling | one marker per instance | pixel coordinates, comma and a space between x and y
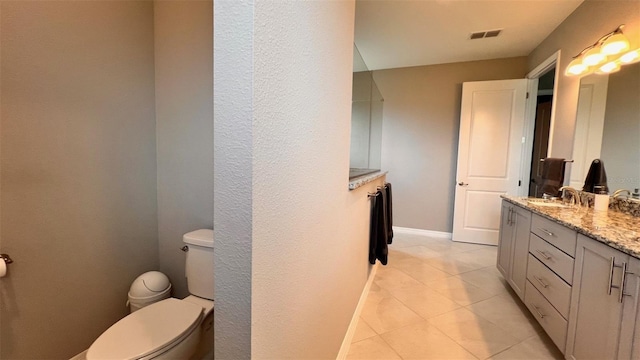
401, 33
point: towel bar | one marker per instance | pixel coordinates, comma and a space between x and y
570, 161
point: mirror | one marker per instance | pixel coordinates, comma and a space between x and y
366, 120
608, 128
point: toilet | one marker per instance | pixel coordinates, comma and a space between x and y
170, 328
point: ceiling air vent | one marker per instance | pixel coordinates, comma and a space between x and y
485, 34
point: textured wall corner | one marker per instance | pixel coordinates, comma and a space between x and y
308, 267
233, 151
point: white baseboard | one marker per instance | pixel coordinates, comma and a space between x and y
427, 233
348, 337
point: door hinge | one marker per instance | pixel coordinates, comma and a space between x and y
527, 95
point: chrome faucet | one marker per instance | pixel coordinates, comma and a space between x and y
619, 192
575, 196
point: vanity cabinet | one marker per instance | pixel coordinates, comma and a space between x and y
513, 247
629, 347
604, 303
584, 293
505, 240
550, 275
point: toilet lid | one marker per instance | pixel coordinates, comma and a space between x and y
147, 330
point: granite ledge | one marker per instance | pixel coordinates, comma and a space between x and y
365, 179
618, 230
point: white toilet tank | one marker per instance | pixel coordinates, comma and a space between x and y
199, 262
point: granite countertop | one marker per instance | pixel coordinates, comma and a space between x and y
618, 230
365, 179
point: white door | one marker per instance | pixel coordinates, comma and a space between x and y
489, 152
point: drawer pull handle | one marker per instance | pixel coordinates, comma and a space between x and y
542, 283
546, 231
546, 256
611, 267
509, 216
624, 278
623, 284
540, 314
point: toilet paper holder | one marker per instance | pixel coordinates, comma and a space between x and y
6, 258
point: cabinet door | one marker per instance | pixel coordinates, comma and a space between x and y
505, 240
629, 347
520, 250
596, 315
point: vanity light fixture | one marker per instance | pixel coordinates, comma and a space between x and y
593, 57
630, 57
615, 44
608, 68
576, 67
605, 56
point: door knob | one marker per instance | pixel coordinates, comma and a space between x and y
462, 183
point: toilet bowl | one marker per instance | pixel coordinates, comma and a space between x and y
171, 328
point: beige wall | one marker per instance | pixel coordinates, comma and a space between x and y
590, 21
309, 250
78, 169
420, 135
184, 121
291, 240
232, 182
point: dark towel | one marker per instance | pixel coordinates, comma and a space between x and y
373, 229
552, 175
378, 229
389, 212
595, 177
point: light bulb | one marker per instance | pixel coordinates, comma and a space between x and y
609, 68
594, 57
576, 67
630, 57
615, 44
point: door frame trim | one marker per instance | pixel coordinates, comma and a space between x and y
530, 117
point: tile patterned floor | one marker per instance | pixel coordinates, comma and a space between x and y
443, 300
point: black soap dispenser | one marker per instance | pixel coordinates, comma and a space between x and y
596, 176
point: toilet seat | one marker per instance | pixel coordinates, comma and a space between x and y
152, 329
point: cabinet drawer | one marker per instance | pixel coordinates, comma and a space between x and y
549, 285
559, 236
550, 319
559, 262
